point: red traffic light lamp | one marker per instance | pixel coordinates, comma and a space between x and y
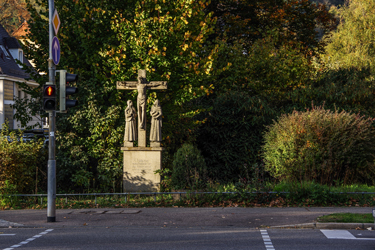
49, 97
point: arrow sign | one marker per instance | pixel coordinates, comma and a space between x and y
55, 50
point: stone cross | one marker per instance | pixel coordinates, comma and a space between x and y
141, 86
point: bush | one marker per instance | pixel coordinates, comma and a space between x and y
321, 145
310, 193
20, 162
230, 137
189, 168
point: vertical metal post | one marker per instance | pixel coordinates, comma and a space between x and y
51, 201
51, 192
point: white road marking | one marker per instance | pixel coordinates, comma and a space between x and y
266, 240
29, 240
341, 234
338, 234
7, 234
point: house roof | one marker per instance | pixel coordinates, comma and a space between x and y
8, 66
21, 31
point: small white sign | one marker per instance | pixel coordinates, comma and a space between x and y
51, 134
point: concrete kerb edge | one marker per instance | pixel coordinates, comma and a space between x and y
8, 224
318, 225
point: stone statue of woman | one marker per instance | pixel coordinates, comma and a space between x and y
130, 126
156, 122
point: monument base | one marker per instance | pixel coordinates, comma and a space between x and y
140, 164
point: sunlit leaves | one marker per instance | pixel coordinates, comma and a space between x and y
353, 44
160, 37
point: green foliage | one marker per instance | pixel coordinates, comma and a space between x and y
352, 44
27, 109
189, 168
350, 89
268, 70
112, 40
21, 161
347, 218
6, 198
321, 145
310, 193
166, 176
297, 22
230, 136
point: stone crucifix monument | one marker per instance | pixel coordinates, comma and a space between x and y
141, 162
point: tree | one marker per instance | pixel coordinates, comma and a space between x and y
14, 12
296, 22
353, 43
106, 41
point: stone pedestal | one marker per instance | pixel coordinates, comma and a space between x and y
140, 164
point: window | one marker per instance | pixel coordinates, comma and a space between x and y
5, 51
20, 55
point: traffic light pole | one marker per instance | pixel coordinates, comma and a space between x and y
51, 192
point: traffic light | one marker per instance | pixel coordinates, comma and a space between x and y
65, 91
49, 97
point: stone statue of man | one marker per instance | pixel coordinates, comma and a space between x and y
130, 126
141, 101
156, 122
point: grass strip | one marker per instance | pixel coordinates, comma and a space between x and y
347, 218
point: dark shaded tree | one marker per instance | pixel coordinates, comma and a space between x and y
296, 22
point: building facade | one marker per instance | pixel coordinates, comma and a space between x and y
11, 74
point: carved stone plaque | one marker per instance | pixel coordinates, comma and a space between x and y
139, 169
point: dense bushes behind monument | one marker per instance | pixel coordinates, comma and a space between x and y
189, 168
230, 137
321, 145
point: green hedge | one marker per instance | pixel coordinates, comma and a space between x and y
23, 165
321, 145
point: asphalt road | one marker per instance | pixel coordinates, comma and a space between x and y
180, 238
177, 228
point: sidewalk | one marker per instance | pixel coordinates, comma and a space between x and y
286, 217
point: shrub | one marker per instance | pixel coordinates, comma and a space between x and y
189, 168
230, 137
321, 145
310, 193
20, 162
6, 190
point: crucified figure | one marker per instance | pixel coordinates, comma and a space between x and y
141, 100
141, 85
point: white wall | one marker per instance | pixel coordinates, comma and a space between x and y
2, 119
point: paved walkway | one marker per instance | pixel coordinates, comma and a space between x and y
173, 217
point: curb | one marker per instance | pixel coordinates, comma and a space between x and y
7, 224
318, 225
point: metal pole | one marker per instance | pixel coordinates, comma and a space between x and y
51, 200
51, 195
